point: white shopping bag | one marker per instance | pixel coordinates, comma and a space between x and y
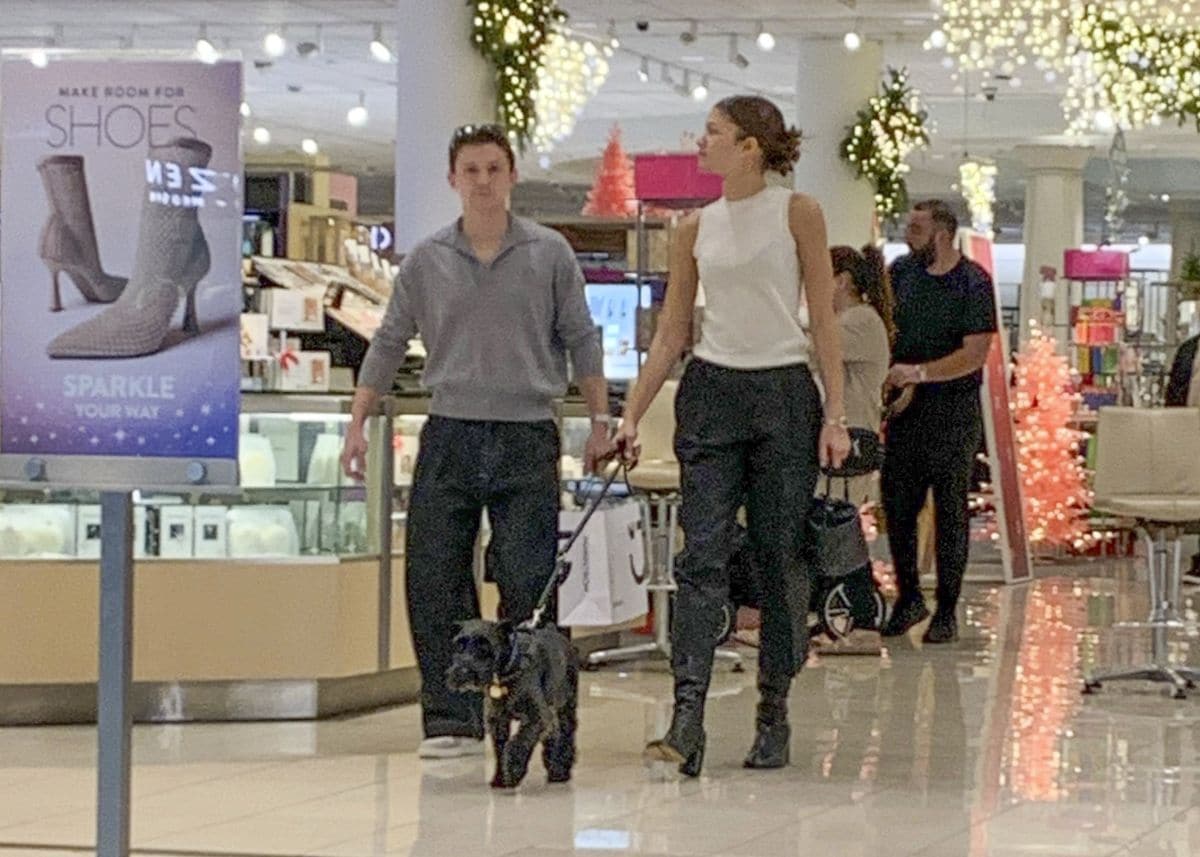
607, 583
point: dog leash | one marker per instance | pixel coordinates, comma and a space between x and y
562, 568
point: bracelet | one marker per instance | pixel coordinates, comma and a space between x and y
601, 420
922, 373
839, 422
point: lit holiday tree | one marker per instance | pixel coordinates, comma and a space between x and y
1053, 482
612, 194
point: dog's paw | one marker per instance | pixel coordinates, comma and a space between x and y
558, 776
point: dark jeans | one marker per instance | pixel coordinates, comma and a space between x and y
465, 466
932, 445
745, 437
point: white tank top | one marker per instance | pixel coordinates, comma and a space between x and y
746, 257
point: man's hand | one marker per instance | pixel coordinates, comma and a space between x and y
599, 447
354, 453
903, 375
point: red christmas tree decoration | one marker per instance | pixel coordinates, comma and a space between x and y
1053, 482
612, 194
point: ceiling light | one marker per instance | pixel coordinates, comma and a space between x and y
613, 40
765, 40
1166, 197
205, 50
701, 90
379, 48
274, 44
244, 109
1143, 240
262, 136
689, 35
357, 115
643, 71
852, 41
938, 39
309, 145
735, 56
39, 58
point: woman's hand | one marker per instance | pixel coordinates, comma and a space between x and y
626, 444
834, 446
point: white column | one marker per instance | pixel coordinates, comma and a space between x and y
1053, 223
832, 85
1185, 239
442, 82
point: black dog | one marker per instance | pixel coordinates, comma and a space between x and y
527, 675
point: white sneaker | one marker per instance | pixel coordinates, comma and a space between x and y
449, 747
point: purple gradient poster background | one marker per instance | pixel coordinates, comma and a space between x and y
125, 119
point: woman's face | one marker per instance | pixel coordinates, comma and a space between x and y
721, 150
844, 293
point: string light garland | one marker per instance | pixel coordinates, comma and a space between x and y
511, 35
1138, 64
977, 183
570, 73
989, 34
884, 134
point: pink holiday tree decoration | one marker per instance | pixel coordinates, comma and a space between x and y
612, 194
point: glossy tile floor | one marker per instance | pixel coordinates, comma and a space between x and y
980, 749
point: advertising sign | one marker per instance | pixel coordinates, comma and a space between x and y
120, 207
1001, 441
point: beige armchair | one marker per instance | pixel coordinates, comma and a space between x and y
1148, 469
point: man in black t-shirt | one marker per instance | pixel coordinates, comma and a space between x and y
945, 320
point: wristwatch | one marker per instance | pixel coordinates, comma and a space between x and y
840, 422
922, 373
602, 420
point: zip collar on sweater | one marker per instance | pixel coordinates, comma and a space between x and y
454, 237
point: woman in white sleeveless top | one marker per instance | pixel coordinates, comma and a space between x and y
749, 419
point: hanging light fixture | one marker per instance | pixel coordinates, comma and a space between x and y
688, 36
358, 115
378, 47
262, 136
39, 58
764, 39
643, 71
309, 146
852, 41
700, 91
274, 44
735, 56
244, 109
206, 51
614, 40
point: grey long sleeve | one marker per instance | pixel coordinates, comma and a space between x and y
390, 341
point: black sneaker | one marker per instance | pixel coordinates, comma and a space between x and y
904, 615
943, 629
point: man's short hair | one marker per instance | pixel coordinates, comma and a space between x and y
940, 213
474, 135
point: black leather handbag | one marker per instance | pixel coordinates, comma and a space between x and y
836, 542
835, 536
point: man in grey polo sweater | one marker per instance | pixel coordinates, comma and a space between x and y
500, 305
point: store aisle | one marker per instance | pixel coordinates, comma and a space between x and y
982, 749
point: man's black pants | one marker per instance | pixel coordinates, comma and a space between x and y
465, 466
932, 445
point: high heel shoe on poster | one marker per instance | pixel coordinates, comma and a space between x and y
68, 241
172, 257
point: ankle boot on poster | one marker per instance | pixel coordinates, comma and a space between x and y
172, 258
68, 240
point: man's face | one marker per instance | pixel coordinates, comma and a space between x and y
919, 236
482, 177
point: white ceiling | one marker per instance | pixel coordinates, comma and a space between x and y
297, 98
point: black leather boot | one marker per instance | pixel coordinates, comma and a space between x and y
698, 622
772, 738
